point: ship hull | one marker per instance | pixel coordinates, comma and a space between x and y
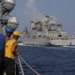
39, 41
62, 42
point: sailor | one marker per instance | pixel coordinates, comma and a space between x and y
3, 39
9, 32
10, 53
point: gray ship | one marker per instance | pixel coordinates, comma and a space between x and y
47, 32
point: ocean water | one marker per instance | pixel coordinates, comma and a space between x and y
48, 60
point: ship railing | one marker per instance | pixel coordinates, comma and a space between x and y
20, 65
19, 59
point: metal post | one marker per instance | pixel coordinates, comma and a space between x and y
21, 66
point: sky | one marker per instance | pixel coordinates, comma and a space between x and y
62, 10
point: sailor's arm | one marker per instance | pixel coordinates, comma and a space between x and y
6, 39
14, 49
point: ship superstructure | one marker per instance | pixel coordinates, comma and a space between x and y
47, 31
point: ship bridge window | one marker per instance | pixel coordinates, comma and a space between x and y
72, 38
59, 35
39, 35
57, 38
51, 39
53, 30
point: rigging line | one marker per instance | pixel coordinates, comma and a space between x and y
28, 65
9, 15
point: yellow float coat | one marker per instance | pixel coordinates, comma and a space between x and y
8, 46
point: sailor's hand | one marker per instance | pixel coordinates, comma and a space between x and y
17, 53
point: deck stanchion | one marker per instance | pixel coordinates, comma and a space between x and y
20, 66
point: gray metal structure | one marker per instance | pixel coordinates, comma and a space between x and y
47, 31
6, 6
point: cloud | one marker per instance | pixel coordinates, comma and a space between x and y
30, 3
31, 11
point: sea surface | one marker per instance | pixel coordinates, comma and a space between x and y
48, 60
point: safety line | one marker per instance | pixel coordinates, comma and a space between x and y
28, 65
